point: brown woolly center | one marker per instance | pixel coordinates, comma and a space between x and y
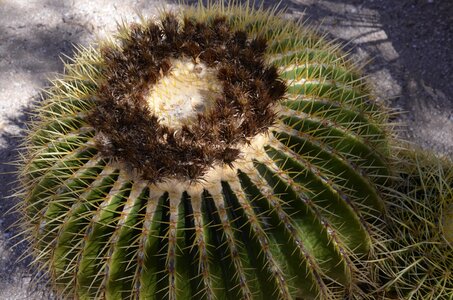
179, 99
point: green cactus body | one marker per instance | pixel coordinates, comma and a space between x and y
421, 248
293, 213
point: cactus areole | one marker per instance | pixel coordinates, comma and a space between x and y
219, 152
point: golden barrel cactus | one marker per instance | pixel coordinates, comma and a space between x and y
216, 152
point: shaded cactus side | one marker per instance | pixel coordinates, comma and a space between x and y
298, 214
419, 264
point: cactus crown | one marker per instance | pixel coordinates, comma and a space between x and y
269, 185
136, 123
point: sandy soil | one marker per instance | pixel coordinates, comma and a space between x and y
409, 43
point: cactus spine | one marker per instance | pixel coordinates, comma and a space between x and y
420, 260
286, 203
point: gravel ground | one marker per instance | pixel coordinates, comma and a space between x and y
409, 43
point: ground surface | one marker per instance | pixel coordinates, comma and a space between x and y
409, 43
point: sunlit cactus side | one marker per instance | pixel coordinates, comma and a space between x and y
269, 186
419, 264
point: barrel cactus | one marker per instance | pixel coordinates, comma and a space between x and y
216, 152
419, 264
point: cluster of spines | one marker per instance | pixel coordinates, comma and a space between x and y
419, 262
327, 153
